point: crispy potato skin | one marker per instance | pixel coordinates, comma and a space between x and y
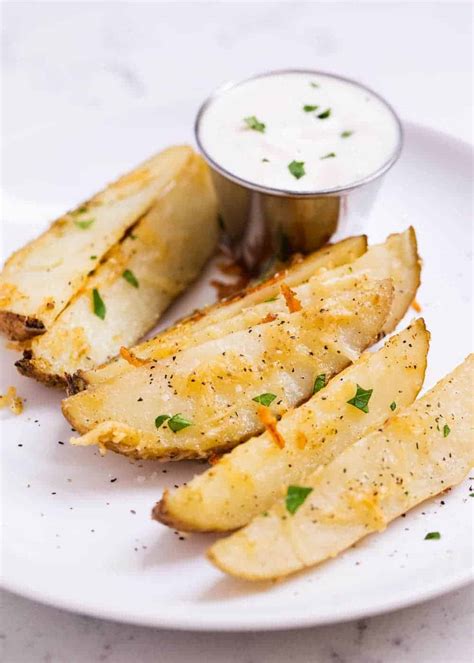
29, 369
19, 327
410, 459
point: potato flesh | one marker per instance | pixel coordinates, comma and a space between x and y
166, 251
213, 384
396, 258
248, 480
211, 324
372, 482
40, 279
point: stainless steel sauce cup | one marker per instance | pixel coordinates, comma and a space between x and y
264, 222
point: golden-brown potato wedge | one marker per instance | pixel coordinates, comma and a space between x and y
213, 386
419, 453
138, 279
248, 480
207, 324
39, 280
396, 258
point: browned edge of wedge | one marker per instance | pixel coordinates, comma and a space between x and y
20, 327
27, 367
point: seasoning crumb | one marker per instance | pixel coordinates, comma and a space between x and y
12, 400
112, 480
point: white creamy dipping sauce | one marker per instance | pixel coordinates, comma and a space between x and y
297, 132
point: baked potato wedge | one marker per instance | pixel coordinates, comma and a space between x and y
207, 398
210, 323
136, 281
396, 258
39, 280
418, 453
252, 476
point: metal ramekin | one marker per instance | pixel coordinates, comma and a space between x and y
264, 222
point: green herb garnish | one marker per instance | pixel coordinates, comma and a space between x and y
329, 155
296, 168
432, 535
393, 405
130, 277
361, 399
295, 496
314, 84
319, 383
265, 160
83, 225
309, 109
98, 304
346, 134
446, 430
253, 123
264, 399
178, 422
271, 299
160, 420
324, 114
93, 257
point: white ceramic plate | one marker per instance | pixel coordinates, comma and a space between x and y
74, 539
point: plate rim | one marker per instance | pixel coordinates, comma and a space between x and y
178, 620
178, 616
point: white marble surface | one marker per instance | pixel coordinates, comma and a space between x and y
64, 58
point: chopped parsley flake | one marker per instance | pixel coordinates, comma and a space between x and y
295, 496
178, 422
329, 155
93, 257
160, 420
393, 406
296, 168
271, 299
432, 535
98, 304
346, 134
265, 160
309, 109
83, 225
325, 114
265, 399
361, 399
253, 123
314, 84
130, 277
446, 430
319, 383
